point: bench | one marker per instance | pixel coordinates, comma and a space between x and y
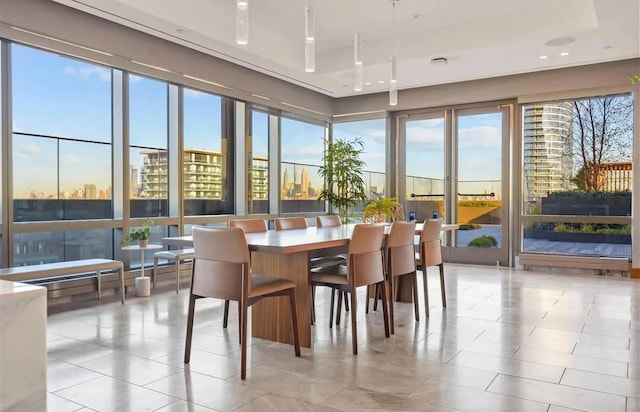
26, 273
177, 255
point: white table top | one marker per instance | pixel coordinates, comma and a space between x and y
297, 240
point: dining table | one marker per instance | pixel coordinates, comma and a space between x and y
286, 254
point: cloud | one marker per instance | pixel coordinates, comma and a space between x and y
193, 93
30, 149
85, 72
481, 136
71, 159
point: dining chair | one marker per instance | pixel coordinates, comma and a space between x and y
316, 261
221, 269
249, 225
328, 221
430, 254
289, 223
400, 261
364, 267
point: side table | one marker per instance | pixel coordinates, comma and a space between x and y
143, 283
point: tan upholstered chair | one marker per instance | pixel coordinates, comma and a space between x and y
430, 254
328, 221
364, 267
247, 226
250, 225
400, 262
221, 269
289, 223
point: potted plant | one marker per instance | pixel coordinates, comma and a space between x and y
383, 209
342, 172
141, 235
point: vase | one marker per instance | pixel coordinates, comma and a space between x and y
144, 243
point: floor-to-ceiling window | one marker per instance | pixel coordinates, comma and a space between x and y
62, 154
208, 177
257, 146
148, 142
577, 169
301, 148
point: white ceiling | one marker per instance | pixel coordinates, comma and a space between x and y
479, 38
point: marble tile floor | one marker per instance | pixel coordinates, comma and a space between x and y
508, 341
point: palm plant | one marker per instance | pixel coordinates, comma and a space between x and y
342, 172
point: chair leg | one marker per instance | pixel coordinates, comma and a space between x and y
354, 328
243, 340
416, 308
177, 275
390, 298
385, 311
346, 302
333, 294
240, 324
294, 321
154, 272
444, 297
376, 293
339, 308
426, 291
225, 317
98, 273
313, 304
366, 308
312, 311
187, 345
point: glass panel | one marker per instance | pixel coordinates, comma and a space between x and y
258, 154
58, 96
61, 138
149, 163
48, 247
425, 168
577, 160
373, 134
206, 156
302, 146
480, 180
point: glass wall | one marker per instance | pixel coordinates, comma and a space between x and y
208, 176
257, 146
301, 148
148, 141
577, 164
373, 134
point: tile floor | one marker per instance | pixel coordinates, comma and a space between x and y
508, 341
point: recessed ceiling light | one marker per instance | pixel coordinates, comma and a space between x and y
439, 61
560, 41
543, 57
607, 47
564, 54
180, 31
367, 83
380, 81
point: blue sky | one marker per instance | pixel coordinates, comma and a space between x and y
57, 96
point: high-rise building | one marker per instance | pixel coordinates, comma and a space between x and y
203, 175
304, 183
548, 140
90, 191
285, 184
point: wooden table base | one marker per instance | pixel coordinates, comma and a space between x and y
271, 318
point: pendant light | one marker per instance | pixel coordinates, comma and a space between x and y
242, 22
358, 63
309, 38
393, 67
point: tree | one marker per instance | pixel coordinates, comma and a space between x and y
602, 127
342, 172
